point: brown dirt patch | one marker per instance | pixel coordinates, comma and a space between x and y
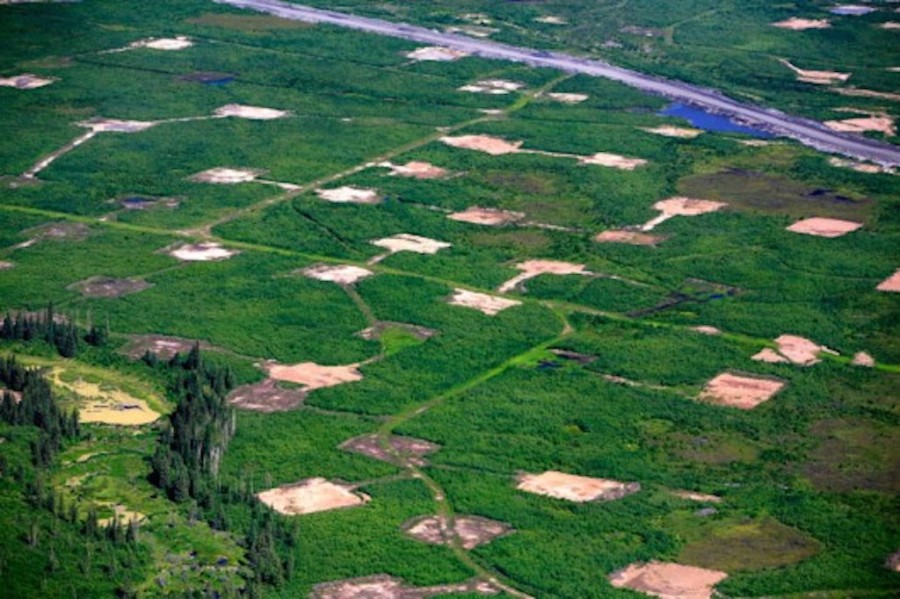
575, 488
863, 359
256, 113
415, 169
892, 283
341, 274
472, 531
694, 496
436, 54
486, 304
247, 22
266, 396
227, 176
486, 216
58, 232
668, 581
824, 227
495, 146
534, 268
109, 287
573, 356
26, 81
737, 391
613, 161
382, 586
311, 495
201, 252
406, 242
160, 345
681, 206
629, 237
817, 77
853, 454
673, 131
798, 24
400, 451
349, 195
314, 376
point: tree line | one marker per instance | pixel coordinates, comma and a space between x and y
55, 329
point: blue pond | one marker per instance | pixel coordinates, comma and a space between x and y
851, 10
711, 122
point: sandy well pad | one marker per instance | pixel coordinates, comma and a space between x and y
226, 176
493, 87
673, 131
266, 396
798, 24
486, 216
202, 252
486, 304
881, 123
256, 113
415, 169
705, 329
575, 488
628, 237
100, 125
495, 146
314, 376
770, 356
310, 496
566, 98
399, 450
799, 350
99, 404
26, 81
694, 496
824, 227
472, 531
892, 283
817, 77
164, 43
551, 20
681, 206
613, 161
863, 359
406, 242
349, 195
342, 275
668, 581
534, 268
437, 54
736, 391
890, 25
383, 586
109, 287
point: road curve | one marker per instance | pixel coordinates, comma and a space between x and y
806, 131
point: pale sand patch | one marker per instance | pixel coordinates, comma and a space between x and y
576, 488
668, 581
890, 25
860, 167
863, 359
490, 305
472, 531
492, 87
342, 275
705, 329
673, 131
866, 93
881, 123
495, 146
892, 283
202, 252
226, 176
311, 495
122, 516
486, 216
415, 169
613, 161
824, 227
738, 391
437, 54
799, 350
534, 268
349, 195
26, 81
99, 125
551, 20
406, 242
816, 77
257, 113
4, 265
770, 356
383, 586
105, 405
628, 237
681, 206
799, 24
567, 98
164, 43
694, 496
314, 376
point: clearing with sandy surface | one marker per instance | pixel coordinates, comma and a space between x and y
770, 356
26, 81
226, 176
694, 496
437, 54
472, 531
793, 349
890, 25
860, 167
824, 227
551, 20
736, 391
349, 195
817, 77
495, 146
576, 488
628, 237
5, 265
415, 169
493, 87
875, 122
863, 359
202, 252
99, 286
486, 304
165, 43
105, 405
256, 113
486, 216
668, 581
100, 125
266, 396
613, 161
566, 98
311, 495
705, 329
407, 242
673, 131
383, 586
798, 24
342, 275
399, 450
534, 268
680, 206
892, 283
314, 376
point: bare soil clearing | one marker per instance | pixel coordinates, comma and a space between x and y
495, 146
494, 87
737, 391
613, 161
668, 581
673, 131
100, 286
407, 242
817, 77
880, 122
798, 24
694, 496
472, 531
227, 176
799, 350
383, 586
165, 43
534, 268
60, 231
415, 169
890, 25
105, 405
437, 54
566, 98
311, 495
865, 93
402, 450
266, 396
314, 376
863, 359
257, 113
824, 227
159, 345
26, 81
349, 195
5, 265
104, 125
202, 252
575, 488
681, 206
707, 330
342, 275
487, 216
551, 20
486, 304
629, 237
770, 356
892, 283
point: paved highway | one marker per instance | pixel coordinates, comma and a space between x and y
806, 131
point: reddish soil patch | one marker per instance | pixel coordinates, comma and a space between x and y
770, 356
628, 237
567, 98
704, 329
575, 488
863, 359
401, 451
875, 122
310, 496
415, 169
109, 287
681, 206
486, 304
383, 586
486, 216
266, 396
4, 265
824, 227
738, 391
892, 283
314, 376
472, 531
16, 395
495, 146
534, 268
793, 349
668, 581
161, 346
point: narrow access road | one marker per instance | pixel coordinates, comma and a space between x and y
806, 131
